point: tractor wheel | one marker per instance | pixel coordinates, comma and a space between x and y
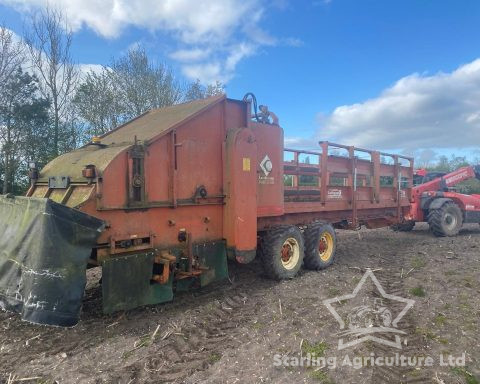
320, 246
406, 226
446, 220
282, 252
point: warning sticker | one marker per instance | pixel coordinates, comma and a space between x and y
246, 164
334, 194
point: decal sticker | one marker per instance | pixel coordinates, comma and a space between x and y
246, 164
334, 194
266, 180
266, 165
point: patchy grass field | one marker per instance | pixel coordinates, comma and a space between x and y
230, 333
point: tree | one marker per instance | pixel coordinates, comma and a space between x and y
142, 85
197, 91
132, 85
11, 57
49, 41
11, 54
22, 116
96, 102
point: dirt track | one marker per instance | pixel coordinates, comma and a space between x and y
229, 333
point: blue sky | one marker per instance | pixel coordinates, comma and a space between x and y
393, 75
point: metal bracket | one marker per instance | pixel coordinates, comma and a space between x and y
58, 182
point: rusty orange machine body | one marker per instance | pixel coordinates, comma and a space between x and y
181, 188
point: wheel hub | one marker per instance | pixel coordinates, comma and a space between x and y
325, 246
290, 253
450, 221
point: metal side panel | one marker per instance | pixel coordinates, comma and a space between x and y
126, 283
214, 257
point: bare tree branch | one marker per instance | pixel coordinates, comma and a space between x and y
49, 42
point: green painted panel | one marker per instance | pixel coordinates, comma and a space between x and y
126, 283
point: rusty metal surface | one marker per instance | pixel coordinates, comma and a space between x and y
156, 121
241, 182
71, 164
240, 186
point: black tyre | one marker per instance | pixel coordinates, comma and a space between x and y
320, 246
446, 220
406, 226
282, 252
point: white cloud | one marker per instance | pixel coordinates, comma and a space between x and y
186, 55
207, 33
192, 21
206, 72
418, 111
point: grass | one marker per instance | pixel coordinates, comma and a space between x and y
440, 320
418, 291
418, 262
469, 281
332, 292
321, 376
426, 333
468, 376
316, 350
214, 357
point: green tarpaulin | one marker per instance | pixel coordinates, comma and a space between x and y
44, 248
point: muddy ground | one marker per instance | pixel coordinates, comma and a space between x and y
230, 333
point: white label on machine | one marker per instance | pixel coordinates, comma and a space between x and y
334, 194
266, 165
265, 180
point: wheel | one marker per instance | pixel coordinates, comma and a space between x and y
282, 252
320, 246
406, 226
446, 220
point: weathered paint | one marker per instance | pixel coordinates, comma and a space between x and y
212, 173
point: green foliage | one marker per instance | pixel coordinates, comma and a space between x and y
321, 376
418, 291
467, 375
96, 103
24, 127
314, 349
446, 165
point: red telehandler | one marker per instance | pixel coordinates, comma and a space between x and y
436, 202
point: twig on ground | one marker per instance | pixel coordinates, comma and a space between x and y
32, 338
437, 380
168, 333
155, 333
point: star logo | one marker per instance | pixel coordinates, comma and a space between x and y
372, 320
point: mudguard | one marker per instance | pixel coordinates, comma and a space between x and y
44, 248
438, 202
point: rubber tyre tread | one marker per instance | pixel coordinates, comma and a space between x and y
271, 244
312, 234
435, 221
